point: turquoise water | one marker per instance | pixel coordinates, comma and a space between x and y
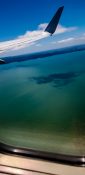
42, 103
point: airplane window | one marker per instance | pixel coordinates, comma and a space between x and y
42, 75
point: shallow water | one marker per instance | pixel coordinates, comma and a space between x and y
42, 103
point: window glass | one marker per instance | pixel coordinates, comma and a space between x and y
42, 101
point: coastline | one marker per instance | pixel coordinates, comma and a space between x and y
43, 54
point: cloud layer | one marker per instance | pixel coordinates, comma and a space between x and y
30, 38
71, 41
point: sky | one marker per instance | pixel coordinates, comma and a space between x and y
24, 20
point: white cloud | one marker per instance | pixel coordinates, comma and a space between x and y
66, 40
69, 41
62, 29
30, 38
42, 26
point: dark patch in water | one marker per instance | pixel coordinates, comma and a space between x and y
58, 79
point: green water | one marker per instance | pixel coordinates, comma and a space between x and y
42, 104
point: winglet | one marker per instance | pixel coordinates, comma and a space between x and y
54, 22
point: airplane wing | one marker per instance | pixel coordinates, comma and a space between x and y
26, 41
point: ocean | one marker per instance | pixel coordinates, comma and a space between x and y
42, 103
